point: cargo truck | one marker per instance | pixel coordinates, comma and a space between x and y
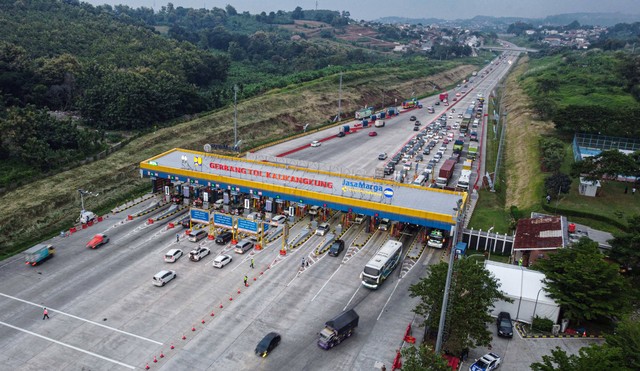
38, 253
463, 180
458, 145
444, 96
445, 173
472, 152
338, 329
468, 163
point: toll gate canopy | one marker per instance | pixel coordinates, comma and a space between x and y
407, 203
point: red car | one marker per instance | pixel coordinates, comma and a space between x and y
373, 133
97, 240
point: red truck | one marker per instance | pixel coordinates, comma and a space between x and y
445, 173
444, 96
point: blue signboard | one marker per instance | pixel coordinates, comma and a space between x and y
247, 225
200, 216
222, 220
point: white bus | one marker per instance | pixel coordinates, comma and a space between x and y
463, 181
382, 264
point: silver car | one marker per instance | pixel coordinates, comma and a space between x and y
161, 278
222, 260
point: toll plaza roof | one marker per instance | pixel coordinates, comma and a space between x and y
401, 202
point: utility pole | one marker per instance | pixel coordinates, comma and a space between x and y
340, 98
235, 115
447, 285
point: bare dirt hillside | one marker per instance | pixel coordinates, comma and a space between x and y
52, 204
523, 175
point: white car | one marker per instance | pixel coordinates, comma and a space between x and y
487, 362
315, 143
221, 260
198, 253
278, 219
161, 278
322, 229
172, 255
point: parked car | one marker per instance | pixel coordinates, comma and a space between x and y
487, 362
222, 260
315, 143
224, 238
172, 255
98, 240
161, 278
505, 327
198, 253
336, 247
267, 344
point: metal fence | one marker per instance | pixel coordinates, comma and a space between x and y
495, 243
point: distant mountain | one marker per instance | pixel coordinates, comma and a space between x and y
589, 19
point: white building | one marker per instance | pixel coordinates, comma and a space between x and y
588, 187
523, 286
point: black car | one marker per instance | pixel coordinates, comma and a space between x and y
437, 103
505, 327
412, 118
426, 151
186, 222
336, 247
224, 238
416, 128
267, 344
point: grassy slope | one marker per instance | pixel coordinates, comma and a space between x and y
47, 206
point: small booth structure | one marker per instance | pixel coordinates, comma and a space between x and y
588, 187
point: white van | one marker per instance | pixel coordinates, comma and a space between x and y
243, 246
314, 210
195, 236
420, 180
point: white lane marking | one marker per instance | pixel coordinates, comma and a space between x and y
388, 300
353, 296
82, 319
325, 284
69, 346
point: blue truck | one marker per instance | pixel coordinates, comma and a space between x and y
38, 254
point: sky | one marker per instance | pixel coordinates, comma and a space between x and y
374, 9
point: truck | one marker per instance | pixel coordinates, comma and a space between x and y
445, 173
444, 96
463, 180
338, 329
411, 103
472, 152
458, 145
363, 113
468, 163
391, 111
38, 254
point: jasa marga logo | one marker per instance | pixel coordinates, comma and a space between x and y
360, 186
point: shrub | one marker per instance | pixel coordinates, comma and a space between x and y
542, 324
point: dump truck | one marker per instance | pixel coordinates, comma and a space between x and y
472, 152
38, 253
445, 173
338, 329
458, 145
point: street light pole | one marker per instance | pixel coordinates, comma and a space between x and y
447, 285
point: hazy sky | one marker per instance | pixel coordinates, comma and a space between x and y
373, 9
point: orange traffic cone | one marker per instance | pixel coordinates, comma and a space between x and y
172, 347
155, 360
147, 367
161, 354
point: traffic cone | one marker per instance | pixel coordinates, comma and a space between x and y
184, 337
238, 291
230, 298
203, 321
161, 354
220, 305
212, 314
147, 367
172, 347
254, 278
193, 328
155, 360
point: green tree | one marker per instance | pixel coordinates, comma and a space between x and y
473, 292
422, 358
557, 183
585, 285
625, 250
627, 339
589, 358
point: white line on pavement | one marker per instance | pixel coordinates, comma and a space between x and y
69, 346
82, 319
325, 284
354, 295
385, 304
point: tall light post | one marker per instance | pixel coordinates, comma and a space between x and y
447, 285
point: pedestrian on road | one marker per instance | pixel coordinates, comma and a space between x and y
251, 265
245, 281
177, 237
45, 314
